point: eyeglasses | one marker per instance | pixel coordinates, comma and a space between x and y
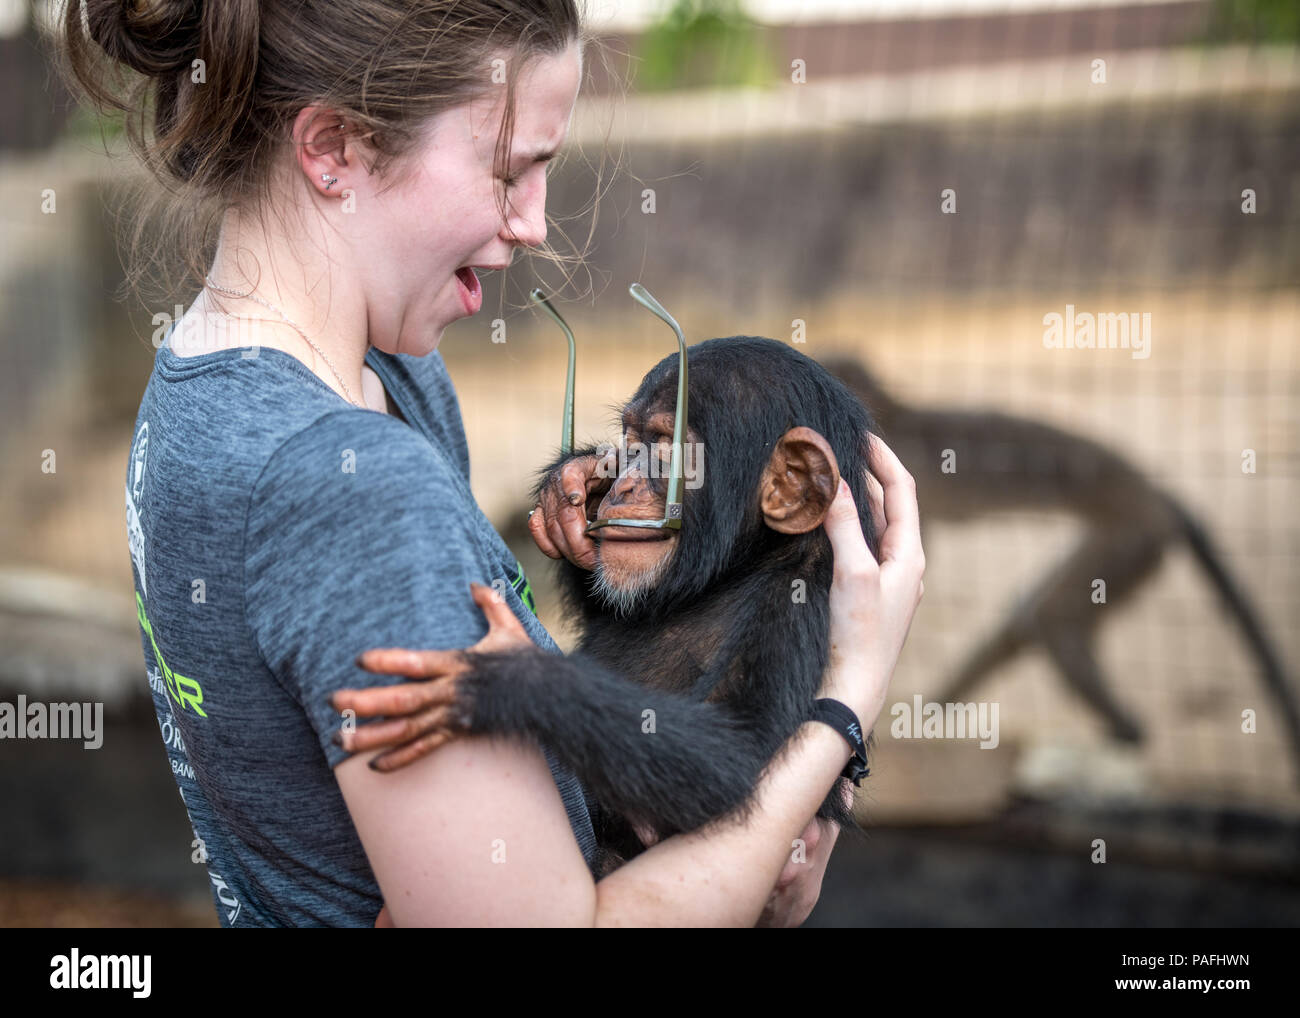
672, 519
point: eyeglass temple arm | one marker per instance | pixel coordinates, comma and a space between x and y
566, 426
673, 508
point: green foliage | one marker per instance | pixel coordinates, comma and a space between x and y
1266, 21
703, 43
85, 124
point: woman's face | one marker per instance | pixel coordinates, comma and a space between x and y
445, 216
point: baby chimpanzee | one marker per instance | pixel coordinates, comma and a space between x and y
702, 648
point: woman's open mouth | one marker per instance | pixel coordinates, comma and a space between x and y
471, 293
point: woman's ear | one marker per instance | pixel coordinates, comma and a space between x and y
799, 482
325, 150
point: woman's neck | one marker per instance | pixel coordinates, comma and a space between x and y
297, 282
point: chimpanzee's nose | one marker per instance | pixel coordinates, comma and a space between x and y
628, 486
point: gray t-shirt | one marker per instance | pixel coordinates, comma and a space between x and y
276, 531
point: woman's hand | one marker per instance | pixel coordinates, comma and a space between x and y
423, 716
872, 603
800, 884
559, 522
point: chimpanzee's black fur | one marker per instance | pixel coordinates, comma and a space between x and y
725, 652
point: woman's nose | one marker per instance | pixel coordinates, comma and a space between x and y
527, 222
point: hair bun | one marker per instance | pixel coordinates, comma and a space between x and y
150, 36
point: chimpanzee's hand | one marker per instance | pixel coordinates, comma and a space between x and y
566, 502
422, 716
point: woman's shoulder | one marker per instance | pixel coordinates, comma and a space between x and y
348, 452
278, 439
424, 387
270, 404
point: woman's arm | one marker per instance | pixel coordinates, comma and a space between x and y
472, 835
497, 849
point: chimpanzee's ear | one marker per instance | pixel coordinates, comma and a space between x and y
799, 482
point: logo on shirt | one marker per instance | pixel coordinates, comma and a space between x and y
184, 691
522, 587
134, 489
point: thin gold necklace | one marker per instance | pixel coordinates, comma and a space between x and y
288, 321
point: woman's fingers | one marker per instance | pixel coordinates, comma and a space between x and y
646, 834
872, 603
876, 502
852, 556
902, 534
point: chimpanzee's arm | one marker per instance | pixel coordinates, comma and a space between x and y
657, 758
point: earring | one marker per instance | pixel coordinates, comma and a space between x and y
332, 180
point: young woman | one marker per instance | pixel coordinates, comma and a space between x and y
299, 493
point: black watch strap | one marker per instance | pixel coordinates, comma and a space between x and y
840, 717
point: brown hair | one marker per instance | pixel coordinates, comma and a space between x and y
386, 66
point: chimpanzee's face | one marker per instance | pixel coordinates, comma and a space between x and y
631, 560
762, 476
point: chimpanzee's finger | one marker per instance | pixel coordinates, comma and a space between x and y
504, 629
413, 664
576, 480
397, 731
902, 535
551, 521
395, 759
537, 527
392, 701
572, 521
600, 474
